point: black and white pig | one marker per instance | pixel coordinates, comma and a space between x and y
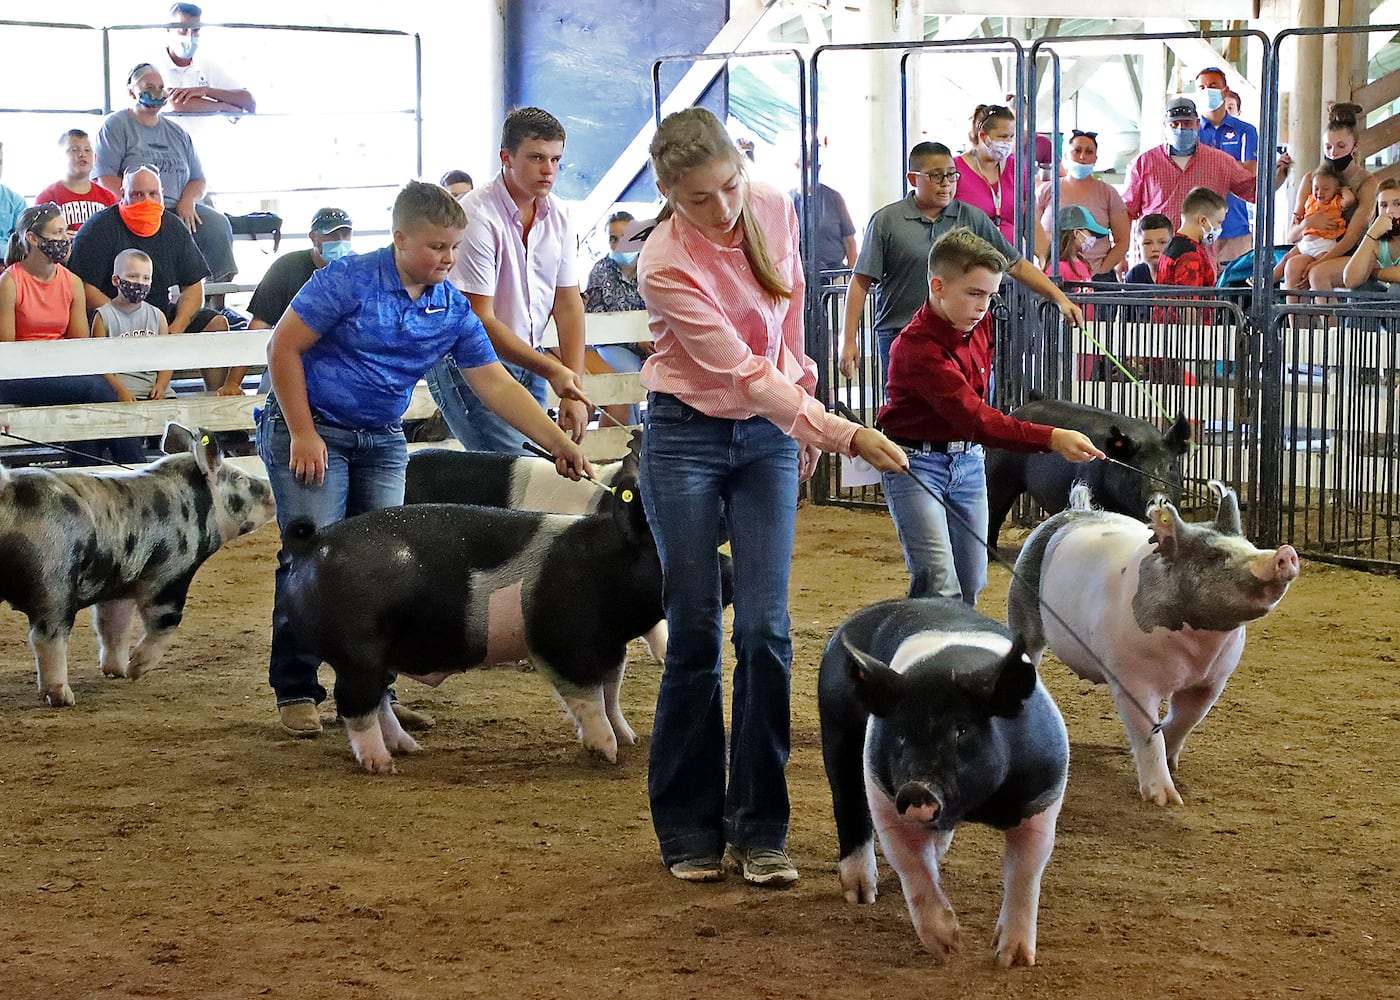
1048, 477
932, 716
523, 482
1155, 611
435, 589
127, 542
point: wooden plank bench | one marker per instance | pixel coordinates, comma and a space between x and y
234, 413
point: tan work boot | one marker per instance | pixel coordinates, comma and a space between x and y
300, 719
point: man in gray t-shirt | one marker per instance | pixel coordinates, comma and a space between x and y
142, 136
895, 254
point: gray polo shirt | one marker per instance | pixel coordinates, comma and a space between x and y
895, 254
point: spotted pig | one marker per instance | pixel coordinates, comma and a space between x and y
122, 542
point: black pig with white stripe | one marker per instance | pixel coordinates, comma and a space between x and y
932, 716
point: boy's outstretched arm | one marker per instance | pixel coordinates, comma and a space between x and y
513, 403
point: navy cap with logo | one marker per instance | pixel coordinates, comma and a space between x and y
328, 220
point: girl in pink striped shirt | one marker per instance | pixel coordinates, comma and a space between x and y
731, 426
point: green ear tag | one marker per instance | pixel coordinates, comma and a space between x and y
626, 496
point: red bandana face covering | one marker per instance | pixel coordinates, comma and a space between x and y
143, 218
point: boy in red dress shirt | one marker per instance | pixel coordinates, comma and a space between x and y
937, 412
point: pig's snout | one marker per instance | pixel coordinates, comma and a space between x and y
1276, 567
917, 801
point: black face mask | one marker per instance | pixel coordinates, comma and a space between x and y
1339, 163
1394, 229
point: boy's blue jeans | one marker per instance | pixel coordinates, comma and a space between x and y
471, 421
696, 470
935, 542
364, 472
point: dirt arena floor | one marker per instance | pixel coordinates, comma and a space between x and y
164, 839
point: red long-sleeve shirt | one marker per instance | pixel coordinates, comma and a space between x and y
937, 388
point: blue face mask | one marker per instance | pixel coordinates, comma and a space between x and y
335, 249
1214, 98
623, 258
1184, 140
1079, 171
152, 98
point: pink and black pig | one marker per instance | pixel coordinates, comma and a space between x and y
1156, 611
126, 543
429, 590
932, 716
1048, 477
522, 482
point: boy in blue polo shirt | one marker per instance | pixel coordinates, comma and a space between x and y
344, 359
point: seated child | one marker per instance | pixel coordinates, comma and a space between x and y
1077, 231
1318, 228
128, 314
1185, 261
76, 194
1154, 232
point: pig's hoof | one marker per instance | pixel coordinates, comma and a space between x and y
142, 660
1012, 950
401, 742
1161, 795
939, 933
115, 670
603, 747
58, 697
376, 763
623, 732
857, 874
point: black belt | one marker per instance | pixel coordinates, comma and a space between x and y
931, 447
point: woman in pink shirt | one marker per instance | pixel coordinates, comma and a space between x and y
40, 299
731, 427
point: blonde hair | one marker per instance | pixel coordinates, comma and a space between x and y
691, 138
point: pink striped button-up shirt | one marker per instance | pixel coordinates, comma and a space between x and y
723, 344
1156, 184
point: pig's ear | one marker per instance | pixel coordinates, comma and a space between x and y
1119, 445
206, 453
176, 440
1178, 436
1227, 514
627, 510
877, 686
1015, 682
1166, 525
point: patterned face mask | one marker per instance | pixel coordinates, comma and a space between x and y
152, 99
55, 250
133, 291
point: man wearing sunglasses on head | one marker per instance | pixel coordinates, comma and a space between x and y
894, 255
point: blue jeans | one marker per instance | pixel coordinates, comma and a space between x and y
214, 237
68, 389
953, 555
696, 470
883, 340
364, 472
471, 421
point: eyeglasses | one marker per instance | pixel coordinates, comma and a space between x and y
1074, 133
940, 176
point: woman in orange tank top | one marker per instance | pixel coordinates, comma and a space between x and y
40, 299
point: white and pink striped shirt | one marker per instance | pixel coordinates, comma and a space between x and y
723, 344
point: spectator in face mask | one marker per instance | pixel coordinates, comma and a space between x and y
1079, 187
198, 84
1160, 178
331, 230
612, 287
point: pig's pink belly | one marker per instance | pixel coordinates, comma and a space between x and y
505, 636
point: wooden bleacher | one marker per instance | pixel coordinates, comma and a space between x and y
233, 413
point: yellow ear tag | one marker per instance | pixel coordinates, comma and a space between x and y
204, 441
1163, 517
626, 496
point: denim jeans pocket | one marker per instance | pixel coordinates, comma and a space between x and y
664, 408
